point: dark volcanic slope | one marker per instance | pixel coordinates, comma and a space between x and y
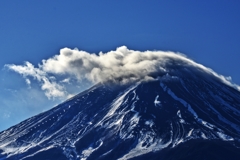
184, 114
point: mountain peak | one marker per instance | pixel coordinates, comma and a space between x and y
143, 119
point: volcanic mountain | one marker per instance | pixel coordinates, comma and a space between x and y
185, 112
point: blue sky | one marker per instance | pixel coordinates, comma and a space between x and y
206, 31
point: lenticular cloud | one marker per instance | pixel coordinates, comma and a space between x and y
120, 66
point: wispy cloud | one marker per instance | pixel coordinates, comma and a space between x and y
48, 84
28, 82
67, 80
121, 66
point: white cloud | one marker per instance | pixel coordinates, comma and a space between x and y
122, 65
48, 84
66, 80
28, 82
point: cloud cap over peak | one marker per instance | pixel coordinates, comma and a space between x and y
122, 65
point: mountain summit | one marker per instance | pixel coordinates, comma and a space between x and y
183, 112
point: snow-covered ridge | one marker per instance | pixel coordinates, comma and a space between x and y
219, 132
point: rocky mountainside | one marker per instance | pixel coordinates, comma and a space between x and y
185, 113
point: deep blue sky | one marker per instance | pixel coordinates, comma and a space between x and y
206, 31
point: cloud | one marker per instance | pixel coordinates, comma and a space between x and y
48, 84
67, 80
28, 82
121, 66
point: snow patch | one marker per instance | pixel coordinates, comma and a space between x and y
224, 136
190, 133
149, 123
157, 102
87, 152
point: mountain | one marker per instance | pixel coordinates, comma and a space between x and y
184, 113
